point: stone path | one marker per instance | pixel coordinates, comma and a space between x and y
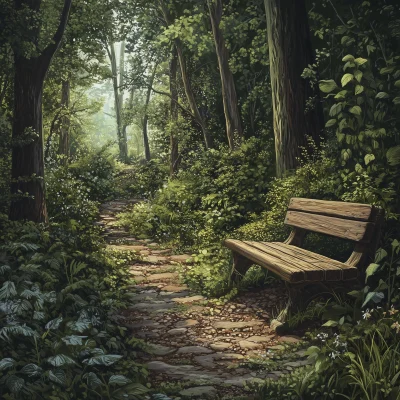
198, 348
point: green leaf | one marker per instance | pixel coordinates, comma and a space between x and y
118, 380
380, 255
387, 70
107, 359
8, 290
359, 89
349, 57
330, 123
372, 268
58, 376
327, 86
73, 340
54, 324
382, 95
360, 61
330, 323
397, 84
335, 109
346, 79
341, 95
60, 360
396, 101
376, 297
356, 110
31, 370
358, 75
393, 155
6, 363
92, 380
368, 158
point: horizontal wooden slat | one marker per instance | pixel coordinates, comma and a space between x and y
311, 273
357, 231
340, 209
334, 270
286, 271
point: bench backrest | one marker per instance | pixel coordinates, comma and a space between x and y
352, 221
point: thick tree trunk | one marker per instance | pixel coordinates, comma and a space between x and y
290, 52
186, 81
63, 148
174, 155
27, 172
229, 96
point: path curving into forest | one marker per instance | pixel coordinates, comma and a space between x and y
198, 349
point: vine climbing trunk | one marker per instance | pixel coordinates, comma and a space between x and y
290, 51
63, 147
229, 96
27, 170
174, 156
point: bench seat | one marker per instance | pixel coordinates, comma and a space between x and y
291, 263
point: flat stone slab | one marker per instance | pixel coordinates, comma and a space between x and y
202, 392
174, 288
167, 276
177, 331
236, 325
246, 345
187, 323
159, 350
220, 346
209, 360
289, 339
126, 247
155, 306
156, 259
260, 339
194, 350
181, 258
184, 300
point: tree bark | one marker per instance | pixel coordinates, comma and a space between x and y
186, 81
174, 149
146, 117
229, 96
122, 141
27, 170
63, 148
290, 51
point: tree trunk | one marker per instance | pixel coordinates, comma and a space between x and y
186, 81
122, 142
63, 148
229, 96
174, 156
146, 116
290, 52
27, 169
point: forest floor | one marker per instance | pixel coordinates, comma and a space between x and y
199, 348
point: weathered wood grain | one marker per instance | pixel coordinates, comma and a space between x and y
357, 231
341, 209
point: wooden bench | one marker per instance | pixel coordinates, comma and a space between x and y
308, 274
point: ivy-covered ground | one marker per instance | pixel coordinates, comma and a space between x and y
198, 347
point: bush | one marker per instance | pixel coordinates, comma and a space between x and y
56, 333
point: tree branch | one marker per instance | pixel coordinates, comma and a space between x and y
49, 51
177, 103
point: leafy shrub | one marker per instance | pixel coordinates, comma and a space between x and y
56, 333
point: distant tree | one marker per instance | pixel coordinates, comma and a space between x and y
290, 52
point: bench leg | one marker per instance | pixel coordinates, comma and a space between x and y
239, 268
